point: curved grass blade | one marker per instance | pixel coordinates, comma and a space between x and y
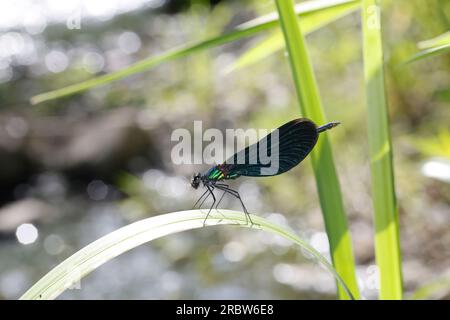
435, 42
124, 239
387, 242
428, 53
322, 159
247, 29
431, 47
308, 24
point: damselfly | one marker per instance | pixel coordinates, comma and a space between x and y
286, 146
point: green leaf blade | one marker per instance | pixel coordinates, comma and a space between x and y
322, 159
387, 243
244, 30
426, 53
126, 238
308, 24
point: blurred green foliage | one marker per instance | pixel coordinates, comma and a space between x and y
262, 96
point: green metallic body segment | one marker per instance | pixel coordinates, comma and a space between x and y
215, 174
220, 172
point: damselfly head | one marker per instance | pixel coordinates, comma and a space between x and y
195, 181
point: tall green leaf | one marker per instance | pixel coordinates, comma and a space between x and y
322, 159
308, 23
247, 29
387, 243
91, 257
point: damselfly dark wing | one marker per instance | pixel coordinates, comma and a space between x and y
274, 155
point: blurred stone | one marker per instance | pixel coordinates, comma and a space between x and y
15, 166
362, 239
97, 145
24, 211
106, 142
415, 273
80, 146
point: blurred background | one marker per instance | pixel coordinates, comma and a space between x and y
77, 168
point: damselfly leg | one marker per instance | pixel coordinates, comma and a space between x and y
210, 189
204, 193
235, 194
